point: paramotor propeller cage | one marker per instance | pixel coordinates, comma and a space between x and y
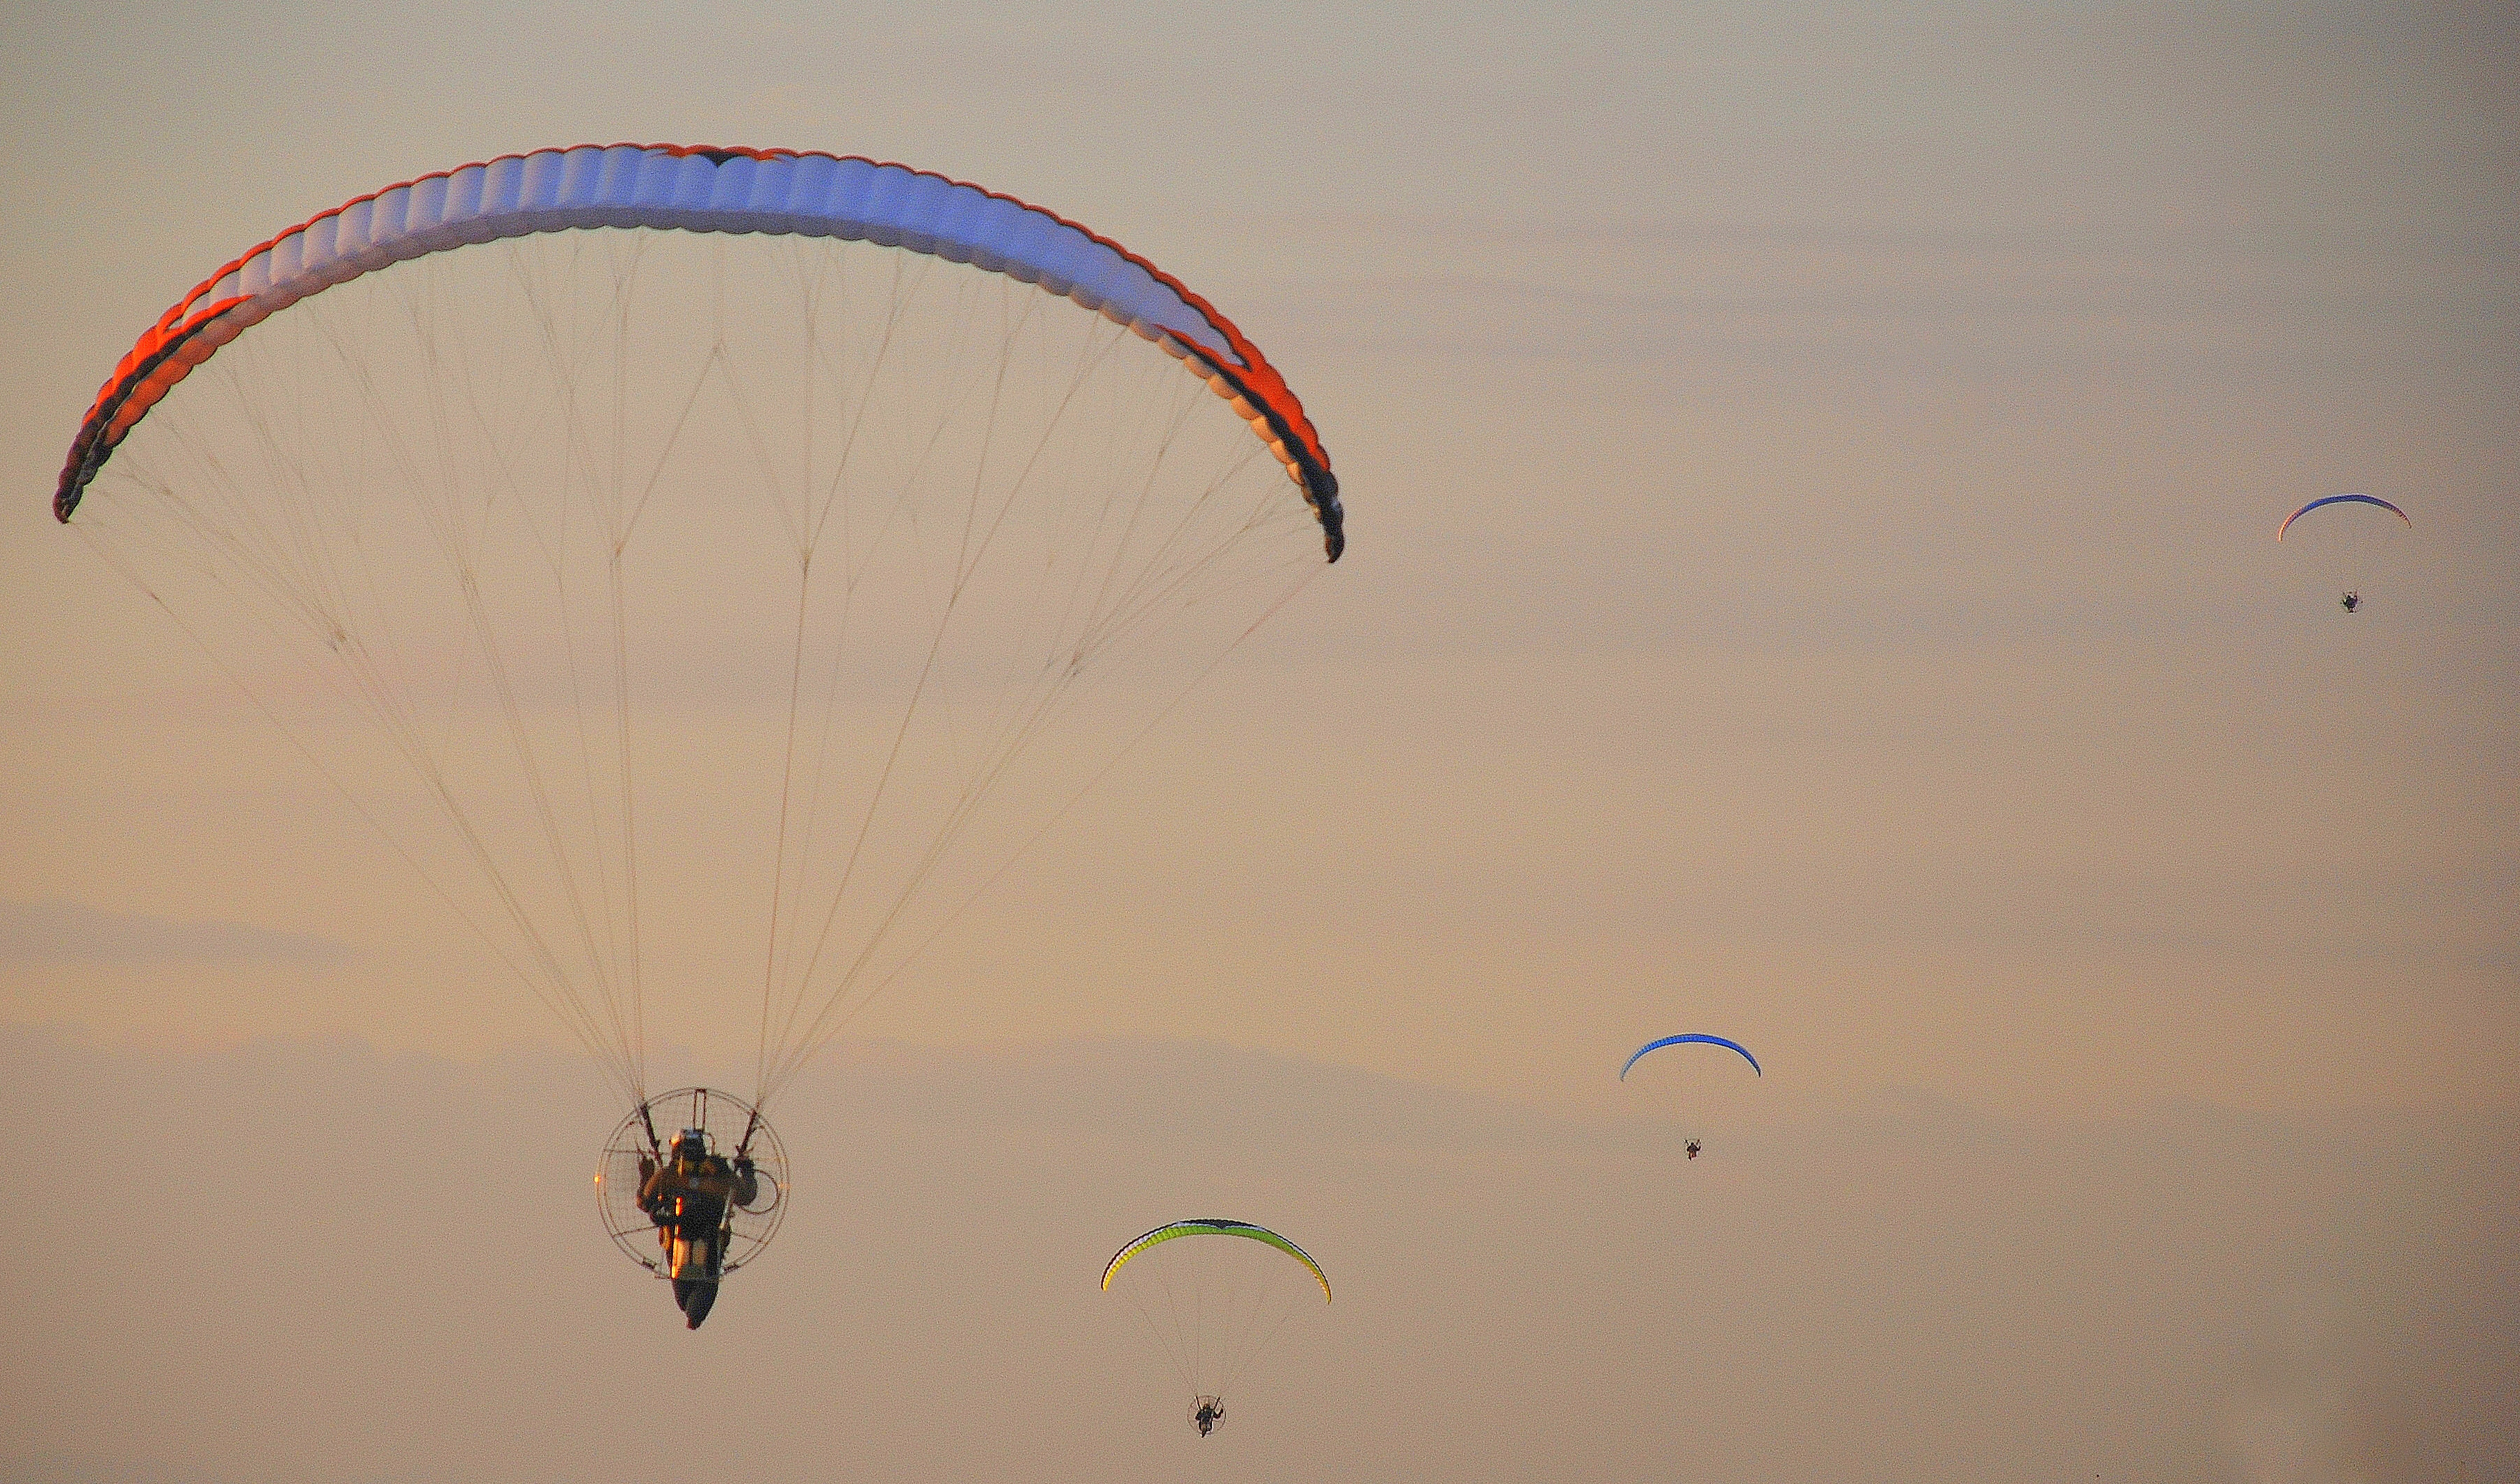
731, 1126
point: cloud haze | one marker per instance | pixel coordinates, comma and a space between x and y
67, 933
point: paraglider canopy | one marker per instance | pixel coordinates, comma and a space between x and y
2339, 500
1211, 1226
1690, 1038
706, 189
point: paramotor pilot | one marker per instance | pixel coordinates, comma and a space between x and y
690, 1196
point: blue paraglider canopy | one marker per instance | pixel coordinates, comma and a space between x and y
1655, 1046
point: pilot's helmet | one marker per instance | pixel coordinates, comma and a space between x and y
691, 1144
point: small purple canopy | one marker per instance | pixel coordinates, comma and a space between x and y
2337, 499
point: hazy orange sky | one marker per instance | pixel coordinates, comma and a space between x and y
1811, 475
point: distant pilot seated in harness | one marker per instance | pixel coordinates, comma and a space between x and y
690, 1197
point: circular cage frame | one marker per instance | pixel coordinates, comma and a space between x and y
732, 1126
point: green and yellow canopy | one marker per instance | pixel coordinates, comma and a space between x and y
1210, 1226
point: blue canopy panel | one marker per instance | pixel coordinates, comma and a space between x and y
1688, 1039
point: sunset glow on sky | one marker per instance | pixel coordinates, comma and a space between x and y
1811, 476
